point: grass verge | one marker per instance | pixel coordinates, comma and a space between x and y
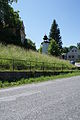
36, 80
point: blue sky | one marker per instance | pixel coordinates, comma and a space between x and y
38, 16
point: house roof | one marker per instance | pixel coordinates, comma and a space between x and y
45, 37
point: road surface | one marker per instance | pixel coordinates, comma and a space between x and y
52, 100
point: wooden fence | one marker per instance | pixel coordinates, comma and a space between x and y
28, 65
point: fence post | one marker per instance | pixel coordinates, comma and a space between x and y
13, 64
30, 65
54, 67
36, 65
62, 67
43, 66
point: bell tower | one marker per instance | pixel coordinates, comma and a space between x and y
45, 44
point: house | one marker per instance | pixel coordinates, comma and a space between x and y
45, 45
73, 54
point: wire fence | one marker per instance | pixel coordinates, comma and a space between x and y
28, 65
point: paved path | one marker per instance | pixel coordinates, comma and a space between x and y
52, 100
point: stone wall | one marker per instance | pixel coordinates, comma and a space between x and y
13, 76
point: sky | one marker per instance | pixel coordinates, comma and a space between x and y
38, 16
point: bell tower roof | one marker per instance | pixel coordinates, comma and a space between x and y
45, 37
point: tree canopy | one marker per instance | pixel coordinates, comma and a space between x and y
78, 46
10, 23
53, 48
7, 1
7, 13
65, 49
28, 44
55, 34
11, 26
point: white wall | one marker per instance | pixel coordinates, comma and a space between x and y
45, 48
74, 54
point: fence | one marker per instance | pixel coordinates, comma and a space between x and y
27, 65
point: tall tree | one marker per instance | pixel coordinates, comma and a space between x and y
4, 6
10, 23
55, 34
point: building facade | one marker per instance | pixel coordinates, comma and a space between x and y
73, 54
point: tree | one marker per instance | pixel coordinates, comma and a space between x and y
78, 46
10, 31
40, 49
55, 34
7, 1
3, 8
65, 50
10, 24
53, 48
7, 12
72, 46
28, 44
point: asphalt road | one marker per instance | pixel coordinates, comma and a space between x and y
52, 100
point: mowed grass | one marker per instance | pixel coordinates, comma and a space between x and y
15, 52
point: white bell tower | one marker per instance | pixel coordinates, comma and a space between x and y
45, 45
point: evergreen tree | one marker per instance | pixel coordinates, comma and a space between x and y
55, 34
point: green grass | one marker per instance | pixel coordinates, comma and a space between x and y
15, 52
36, 80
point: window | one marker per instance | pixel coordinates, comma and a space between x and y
72, 56
69, 56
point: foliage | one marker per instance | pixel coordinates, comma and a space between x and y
28, 44
7, 1
65, 49
4, 4
10, 24
55, 34
78, 46
72, 46
40, 49
53, 48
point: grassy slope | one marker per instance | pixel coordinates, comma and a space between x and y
15, 52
